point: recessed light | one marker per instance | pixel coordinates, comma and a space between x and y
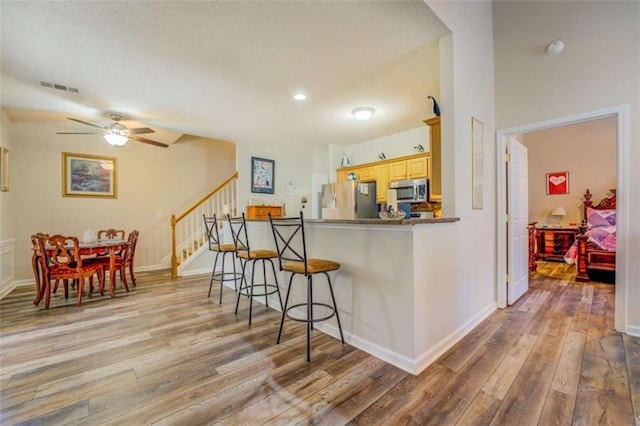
299, 96
363, 113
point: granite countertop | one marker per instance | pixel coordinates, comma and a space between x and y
415, 221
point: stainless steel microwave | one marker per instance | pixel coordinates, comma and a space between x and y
411, 191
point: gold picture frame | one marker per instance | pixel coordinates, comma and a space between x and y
4, 169
89, 176
477, 164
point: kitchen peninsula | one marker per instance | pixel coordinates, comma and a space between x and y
391, 289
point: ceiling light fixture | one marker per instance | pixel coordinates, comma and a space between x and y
555, 47
299, 96
115, 139
363, 113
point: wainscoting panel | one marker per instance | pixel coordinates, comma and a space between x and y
6, 266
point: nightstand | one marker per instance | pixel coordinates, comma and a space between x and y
553, 243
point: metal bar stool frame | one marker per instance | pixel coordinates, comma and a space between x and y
213, 237
285, 233
238, 226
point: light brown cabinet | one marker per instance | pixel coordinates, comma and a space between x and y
366, 174
436, 158
382, 182
398, 170
262, 212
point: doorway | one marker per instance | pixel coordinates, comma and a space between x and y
622, 137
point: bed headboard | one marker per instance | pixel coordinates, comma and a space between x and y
607, 203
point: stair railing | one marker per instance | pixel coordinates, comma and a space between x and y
187, 229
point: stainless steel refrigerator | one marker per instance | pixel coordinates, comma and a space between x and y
349, 200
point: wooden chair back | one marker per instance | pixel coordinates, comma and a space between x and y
60, 252
128, 255
111, 234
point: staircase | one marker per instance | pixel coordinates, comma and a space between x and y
188, 234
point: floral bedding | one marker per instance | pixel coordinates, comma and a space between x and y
604, 237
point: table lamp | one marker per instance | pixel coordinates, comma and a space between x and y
557, 214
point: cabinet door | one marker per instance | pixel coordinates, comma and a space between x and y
418, 168
366, 174
382, 183
342, 175
398, 170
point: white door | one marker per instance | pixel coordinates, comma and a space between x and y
518, 210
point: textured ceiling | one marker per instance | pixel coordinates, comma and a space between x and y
224, 70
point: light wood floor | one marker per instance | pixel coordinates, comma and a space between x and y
165, 354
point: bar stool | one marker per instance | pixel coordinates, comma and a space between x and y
246, 255
211, 225
292, 257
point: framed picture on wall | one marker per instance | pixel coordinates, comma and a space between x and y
557, 183
89, 176
262, 173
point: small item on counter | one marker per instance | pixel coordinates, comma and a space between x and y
351, 176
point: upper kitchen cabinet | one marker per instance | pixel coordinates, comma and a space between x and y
382, 182
436, 157
413, 167
366, 174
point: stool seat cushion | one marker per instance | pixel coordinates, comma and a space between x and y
313, 266
223, 247
258, 254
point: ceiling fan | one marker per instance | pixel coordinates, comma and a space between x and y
116, 134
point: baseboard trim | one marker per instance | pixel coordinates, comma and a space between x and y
413, 366
633, 330
428, 357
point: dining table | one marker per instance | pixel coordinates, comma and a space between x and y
88, 250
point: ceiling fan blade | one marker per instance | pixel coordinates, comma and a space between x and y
140, 130
77, 133
84, 122
149, 141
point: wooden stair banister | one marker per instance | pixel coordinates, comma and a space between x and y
187, 228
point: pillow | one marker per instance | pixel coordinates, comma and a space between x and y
597, 218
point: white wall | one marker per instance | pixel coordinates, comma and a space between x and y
153, 183
397, 145
599, 69
467, 89
291, 166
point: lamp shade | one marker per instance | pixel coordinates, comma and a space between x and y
558, 211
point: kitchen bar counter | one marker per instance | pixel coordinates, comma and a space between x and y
393, 289
413, 221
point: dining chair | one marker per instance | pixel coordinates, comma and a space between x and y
213, 236
123, 260
290, 240
238, 226
60, 259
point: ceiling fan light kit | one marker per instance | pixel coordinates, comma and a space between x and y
116, 140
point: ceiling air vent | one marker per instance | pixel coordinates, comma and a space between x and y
59, 87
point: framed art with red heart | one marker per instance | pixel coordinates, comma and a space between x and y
557, 183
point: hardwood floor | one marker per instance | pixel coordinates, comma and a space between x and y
165, 354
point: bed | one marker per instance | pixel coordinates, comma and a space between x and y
594, 251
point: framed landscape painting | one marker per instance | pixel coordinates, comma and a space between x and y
262, 171
89, 176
